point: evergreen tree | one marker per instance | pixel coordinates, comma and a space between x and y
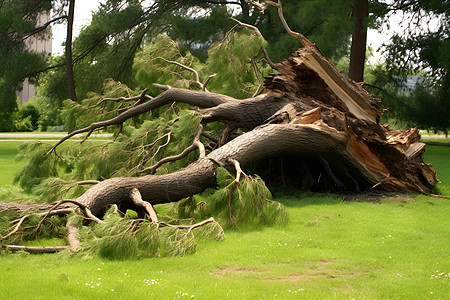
418, 49
18, 23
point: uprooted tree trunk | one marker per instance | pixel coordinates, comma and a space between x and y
325, 124
307, 111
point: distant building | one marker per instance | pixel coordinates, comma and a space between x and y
37, 45
412, 81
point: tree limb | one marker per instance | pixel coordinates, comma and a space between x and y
273, 65
189, 227
305, 42
254, 28
196, 144
196, 98
137, 200
36, 250
239, 171
73, 237
140, 98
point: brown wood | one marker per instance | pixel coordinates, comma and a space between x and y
359, 41
36, 250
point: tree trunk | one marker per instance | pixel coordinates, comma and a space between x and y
359, 41
69, 63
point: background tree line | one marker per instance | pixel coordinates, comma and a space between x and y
107, 48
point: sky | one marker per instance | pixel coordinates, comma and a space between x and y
82, 17
84, 9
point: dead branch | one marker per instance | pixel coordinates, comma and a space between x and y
36, 250
439, 196
196, 144
254, 28
305, 42
207, 81
163, 87
193, 71
16, 228
239, 171
86, 210
137, 200
273, 65
189, 227
163, 145
255, 69
73, 237
260, 7
143, 95
53, 212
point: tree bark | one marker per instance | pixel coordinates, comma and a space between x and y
69, 63
359, 41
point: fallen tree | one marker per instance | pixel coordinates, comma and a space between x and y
310, 126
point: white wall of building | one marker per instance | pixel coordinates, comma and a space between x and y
36, 44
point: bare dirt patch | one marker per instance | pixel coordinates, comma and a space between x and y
377, 197
297, 277
320, 271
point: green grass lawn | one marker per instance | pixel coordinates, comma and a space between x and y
8, 165
331, 249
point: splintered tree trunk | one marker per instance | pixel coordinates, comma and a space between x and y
324, 125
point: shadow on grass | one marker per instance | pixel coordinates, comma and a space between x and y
296, 198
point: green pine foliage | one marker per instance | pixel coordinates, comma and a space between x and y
176, 242
54, 189
149, 239
151, 69
231, 60
51, 227
121, 238
79, 115
39, 165
244, 204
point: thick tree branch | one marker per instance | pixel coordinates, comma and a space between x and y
197, 98
137, 200
73, 237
